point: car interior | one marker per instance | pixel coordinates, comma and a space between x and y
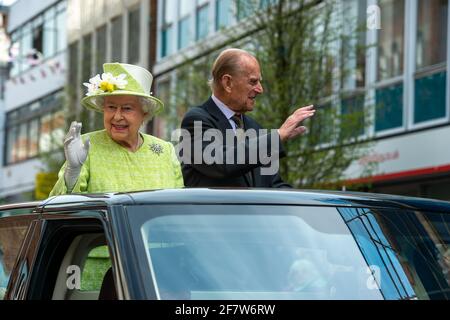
89, 278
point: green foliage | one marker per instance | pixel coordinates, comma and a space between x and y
191, 89
296, 44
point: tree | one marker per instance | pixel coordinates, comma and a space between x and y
303, 48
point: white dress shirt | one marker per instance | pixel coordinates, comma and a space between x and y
226, 111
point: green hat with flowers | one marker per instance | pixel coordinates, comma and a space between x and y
120, 79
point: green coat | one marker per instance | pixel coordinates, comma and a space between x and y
110, 167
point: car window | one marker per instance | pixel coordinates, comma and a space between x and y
265, 252
96, 265
409, 250
70, 258
12, 232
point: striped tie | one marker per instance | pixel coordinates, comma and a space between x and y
238, 121
239, 126
240, 134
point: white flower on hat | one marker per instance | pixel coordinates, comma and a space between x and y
106, 83
93, 85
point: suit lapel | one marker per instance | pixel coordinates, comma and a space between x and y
218, 115
223, 125
222, 122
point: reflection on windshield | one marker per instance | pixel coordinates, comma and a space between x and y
410, 249
269, 253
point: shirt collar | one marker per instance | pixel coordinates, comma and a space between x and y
225, 110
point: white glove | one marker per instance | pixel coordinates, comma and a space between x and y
76, 153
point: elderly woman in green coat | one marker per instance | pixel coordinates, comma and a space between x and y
118, 158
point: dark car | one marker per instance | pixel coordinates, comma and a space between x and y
226, 244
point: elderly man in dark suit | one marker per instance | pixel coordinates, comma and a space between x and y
235, 84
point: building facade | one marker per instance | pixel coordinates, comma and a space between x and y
407, 82
34, 94
402, 74
55, 47
401, 78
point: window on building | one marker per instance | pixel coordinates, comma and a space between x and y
166, 47
34, 129
38, 34
22, 142
184, 32
429, 95
45, 139
431, 55
186, 7
223, 13
163, 90
353, 49
352, 114
167, 28
116, 45
431, 32
353, 62
183, 91
100, 52
15, 52
86, 69
42, 37
361, 46
134, 29
202, 19
11, 145
389, 97
389, 107
50, 29
391, 39
61, 29
73, 85
321, 129
26, 45
33, 142
164, 93
184, 24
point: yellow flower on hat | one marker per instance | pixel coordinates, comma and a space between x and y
107, 86
106, 83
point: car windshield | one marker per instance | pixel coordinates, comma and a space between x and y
251, 252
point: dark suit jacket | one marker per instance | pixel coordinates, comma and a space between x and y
227, 174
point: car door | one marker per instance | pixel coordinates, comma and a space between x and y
16, 222
73, 260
